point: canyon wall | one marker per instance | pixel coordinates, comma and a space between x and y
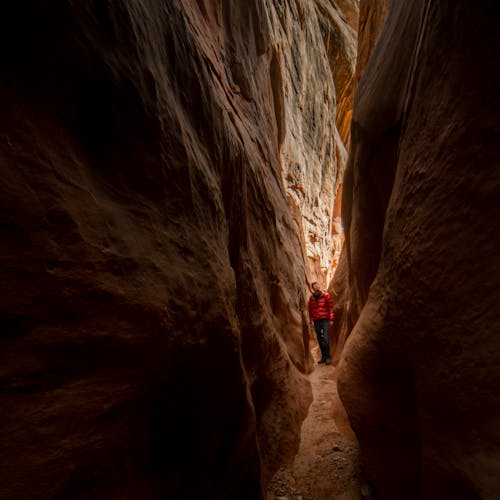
419, 372
154, 337
312, 76
372, 16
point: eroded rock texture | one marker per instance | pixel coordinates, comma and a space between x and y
154, 340
372, 16
312, 72
420, 372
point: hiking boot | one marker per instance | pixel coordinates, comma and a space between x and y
328, 361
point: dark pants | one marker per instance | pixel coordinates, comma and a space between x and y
321, 329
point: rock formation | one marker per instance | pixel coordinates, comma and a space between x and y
372, 16
154, 339
419, 373
312, 69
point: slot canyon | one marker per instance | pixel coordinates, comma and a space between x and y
175, 176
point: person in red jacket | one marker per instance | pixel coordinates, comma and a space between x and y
320, 308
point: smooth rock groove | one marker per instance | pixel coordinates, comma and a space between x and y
419, 373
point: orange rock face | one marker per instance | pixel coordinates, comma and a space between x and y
154, 339
372, 16
419, 373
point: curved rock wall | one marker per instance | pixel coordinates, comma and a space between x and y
312, 73
372, 16
154, 338
419, 372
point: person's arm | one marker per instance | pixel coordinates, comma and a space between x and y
330, 306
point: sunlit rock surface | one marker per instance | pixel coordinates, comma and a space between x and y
154, 338
312, 68
419, 375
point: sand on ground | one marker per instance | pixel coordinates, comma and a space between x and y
328, 464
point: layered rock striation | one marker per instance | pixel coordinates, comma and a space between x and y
154, 338
312, 72
419, 372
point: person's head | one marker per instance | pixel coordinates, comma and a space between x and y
315, 287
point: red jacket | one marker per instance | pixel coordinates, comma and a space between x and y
321, 308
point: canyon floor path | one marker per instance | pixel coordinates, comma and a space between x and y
328, 464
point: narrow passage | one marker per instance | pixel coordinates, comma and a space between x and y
328, 464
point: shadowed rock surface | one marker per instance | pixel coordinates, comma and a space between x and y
372, 15
420, 373
154, 339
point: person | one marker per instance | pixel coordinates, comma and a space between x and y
320, 308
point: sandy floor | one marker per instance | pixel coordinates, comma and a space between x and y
327, 465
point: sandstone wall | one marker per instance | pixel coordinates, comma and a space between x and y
419, 373
154, 338
372, 16
312, 68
